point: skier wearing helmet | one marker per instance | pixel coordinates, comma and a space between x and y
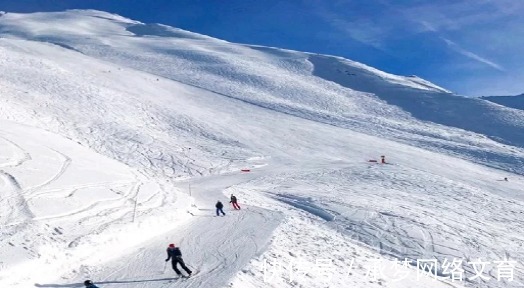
175, 255
89, 284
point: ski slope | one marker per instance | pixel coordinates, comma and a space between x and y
118, 137
59, 195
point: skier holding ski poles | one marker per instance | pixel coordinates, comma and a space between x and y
175, 255
234, 202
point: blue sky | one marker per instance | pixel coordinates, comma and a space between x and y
472, 47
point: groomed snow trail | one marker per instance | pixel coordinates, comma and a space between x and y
215, 248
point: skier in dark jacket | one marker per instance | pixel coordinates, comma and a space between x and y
89, 284
175, 255
219, 207
234, 202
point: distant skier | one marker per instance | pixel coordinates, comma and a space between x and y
234, 202
89, 284
219, 207
175, 255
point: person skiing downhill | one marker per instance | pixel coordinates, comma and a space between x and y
234, 202
175, 255
219, 207
89, 284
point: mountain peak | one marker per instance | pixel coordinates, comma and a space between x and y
52, 25
99, 14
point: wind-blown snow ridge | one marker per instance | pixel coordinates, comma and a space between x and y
147, 122
516, 102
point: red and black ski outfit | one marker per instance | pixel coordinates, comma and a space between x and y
175, 255
234, 202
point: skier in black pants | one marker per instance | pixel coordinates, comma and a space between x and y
219, 207
175, 255
234, 202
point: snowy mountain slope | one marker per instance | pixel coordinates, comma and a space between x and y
374, 205
173, 104
516, 102
279, 80
214, 250
427, 102
59, 195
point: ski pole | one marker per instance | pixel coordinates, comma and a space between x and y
165, 266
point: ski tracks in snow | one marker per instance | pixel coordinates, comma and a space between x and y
11, 192
229, 247
18, 193
58, 191
15, 208
214, 248
19, 155
65, 164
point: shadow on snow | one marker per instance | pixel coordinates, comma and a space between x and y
105, 282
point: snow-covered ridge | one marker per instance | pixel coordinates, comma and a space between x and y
516, 102
80, 23
412, 81
92, 22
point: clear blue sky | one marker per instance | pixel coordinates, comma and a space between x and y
470, 47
